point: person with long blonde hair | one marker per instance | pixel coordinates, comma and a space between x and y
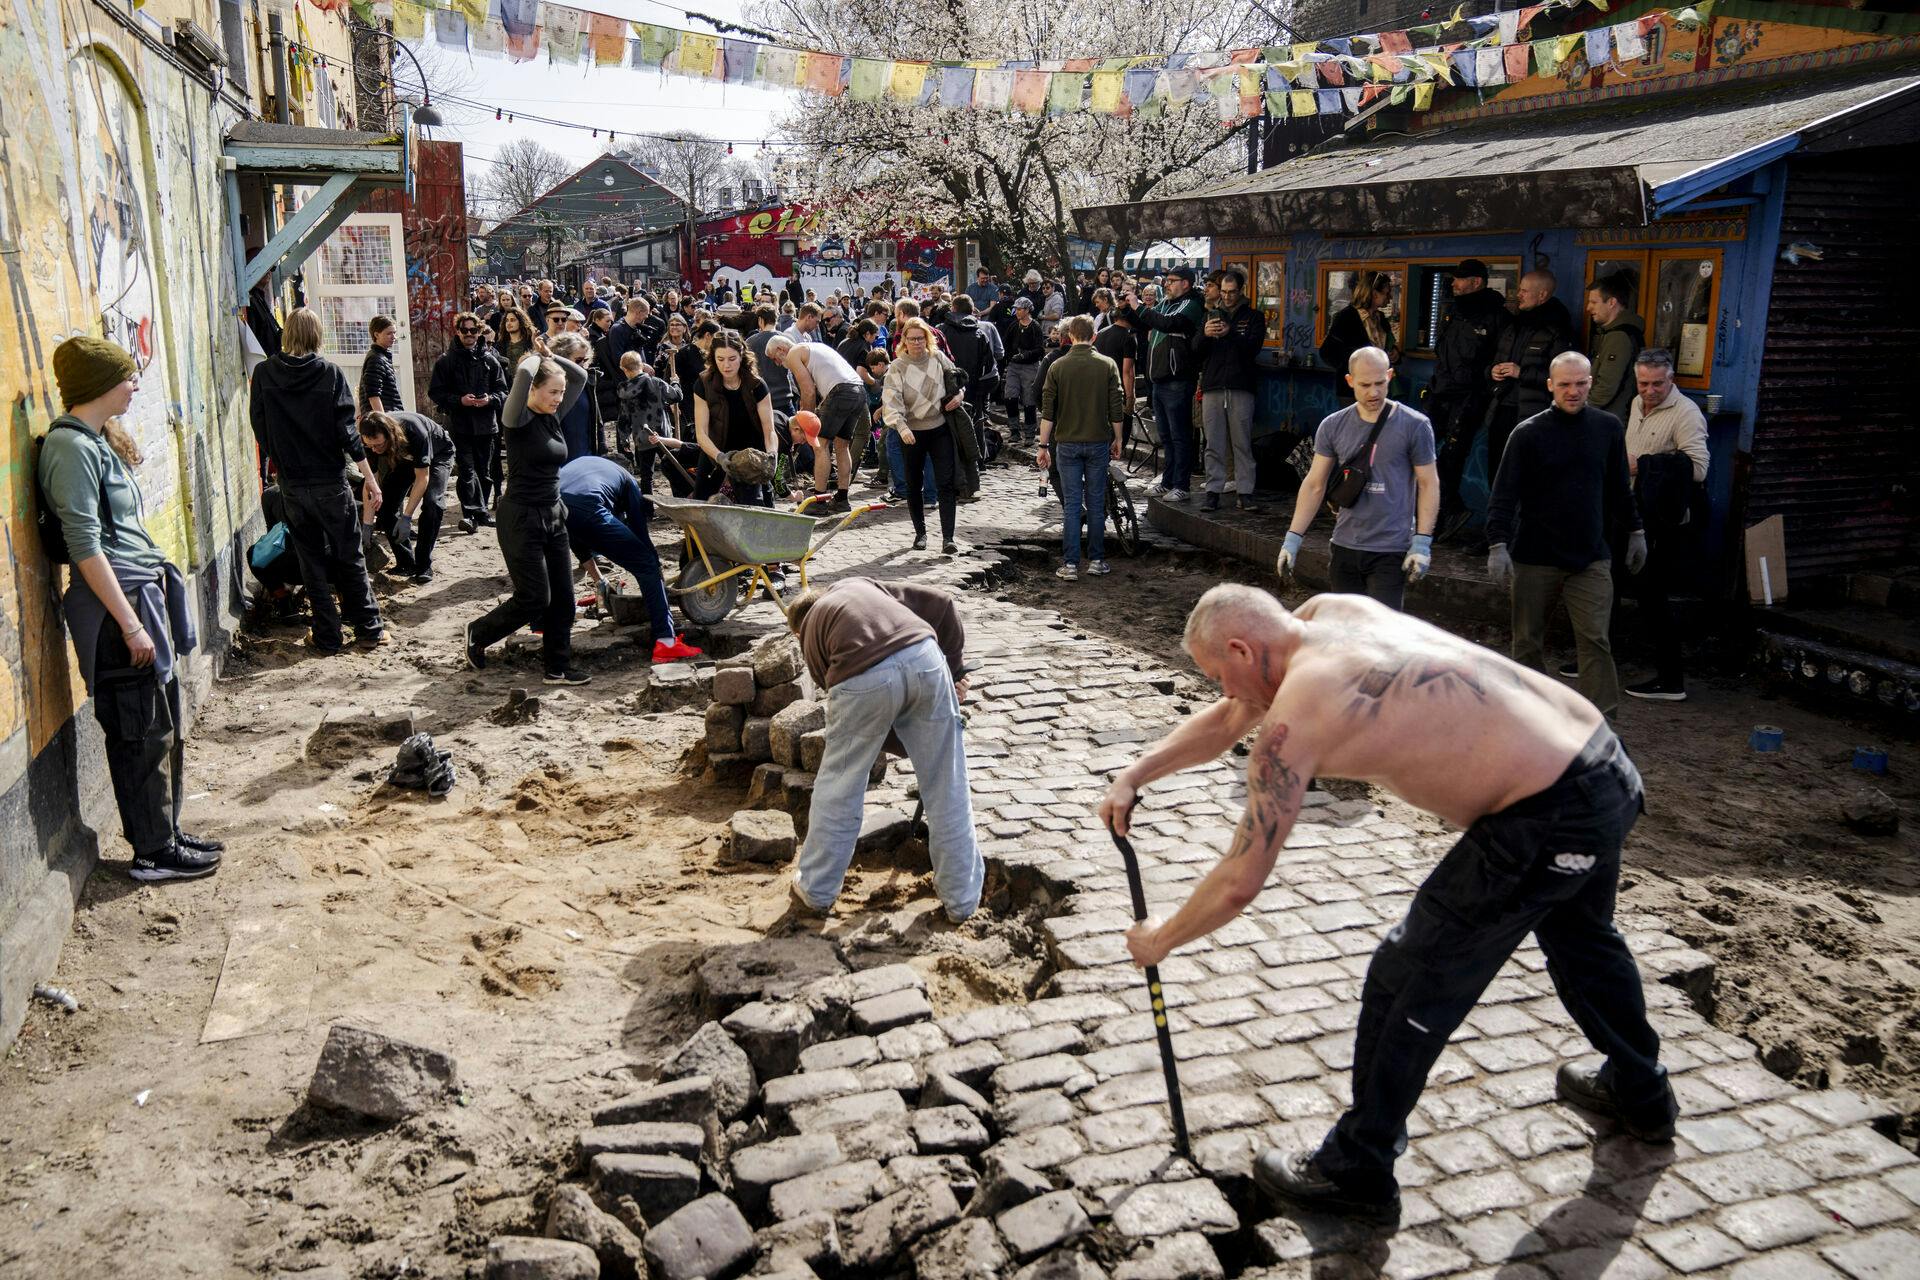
921, 388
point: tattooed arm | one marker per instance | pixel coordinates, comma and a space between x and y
1199, 738
1278, 772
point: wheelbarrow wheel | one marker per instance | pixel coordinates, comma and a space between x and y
710, 604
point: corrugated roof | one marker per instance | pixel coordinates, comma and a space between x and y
1579, 167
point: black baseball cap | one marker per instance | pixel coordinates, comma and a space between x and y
1471, 267
1182, 273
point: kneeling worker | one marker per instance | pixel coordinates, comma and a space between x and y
412, 457
1544, 793
889, 655
607, 516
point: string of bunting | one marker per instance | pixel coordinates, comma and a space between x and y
1324, 77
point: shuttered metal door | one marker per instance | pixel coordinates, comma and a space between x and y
1836, 444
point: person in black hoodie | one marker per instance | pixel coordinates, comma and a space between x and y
302, 414
1538, 331
379, 388
468, 386
1456, 400
1227, 345
533, 520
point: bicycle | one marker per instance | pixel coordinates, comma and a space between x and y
1121, 512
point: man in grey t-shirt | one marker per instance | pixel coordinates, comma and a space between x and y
1383, 539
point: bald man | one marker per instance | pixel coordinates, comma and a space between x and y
1346, 687
1383, 536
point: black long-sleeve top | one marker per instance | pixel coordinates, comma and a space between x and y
536, 443
1562, 484
301, 410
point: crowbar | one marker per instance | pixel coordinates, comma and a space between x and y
1182, 1145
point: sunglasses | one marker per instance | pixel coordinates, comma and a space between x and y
467, 328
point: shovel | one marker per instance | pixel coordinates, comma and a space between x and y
1182, 1145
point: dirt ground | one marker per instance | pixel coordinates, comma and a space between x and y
1815, 930
543, 925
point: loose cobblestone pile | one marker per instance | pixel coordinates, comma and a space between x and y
828, 1123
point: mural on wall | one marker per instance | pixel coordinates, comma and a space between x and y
434, 229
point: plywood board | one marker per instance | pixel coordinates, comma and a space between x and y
266, 983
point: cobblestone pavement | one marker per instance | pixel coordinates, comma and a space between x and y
1764, 1181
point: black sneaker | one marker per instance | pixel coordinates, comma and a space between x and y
174, 863
423, 577
1245, 502
919, 542
1210, 503
1296, 1177
949, 547
569, 676
476, 652
484, 520
467, 525
1569, 670
1657, 691
202, 844
1583, 1087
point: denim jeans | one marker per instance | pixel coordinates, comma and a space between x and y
593, 530
1548, 865
1173, 412
909, 693
1369, 573
1083, 481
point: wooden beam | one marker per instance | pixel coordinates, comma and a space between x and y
309, 216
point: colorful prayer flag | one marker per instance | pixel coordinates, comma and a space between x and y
908, 79
450, 28
992, 88
1065, 91
778, 66
1302, 102
1328, 102
1598, 48
409, 20
489, 37
1139, 84
869, 79
1628, 40
1423, 96
607, 37
824, 72
1104, 97
1517, 56
1030, 91
653, 43
1490, 67
1395, 42
956, 87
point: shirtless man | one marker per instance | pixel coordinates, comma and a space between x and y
1543, 791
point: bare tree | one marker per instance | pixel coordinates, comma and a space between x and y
1010, 180
522, 173
695, 168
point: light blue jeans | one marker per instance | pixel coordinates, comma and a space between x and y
911, 693
1083, 482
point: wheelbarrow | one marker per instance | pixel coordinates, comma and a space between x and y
728, 549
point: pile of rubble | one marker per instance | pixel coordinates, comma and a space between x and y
764, 732
825, 1125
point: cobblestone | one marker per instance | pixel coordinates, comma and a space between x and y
1765, 1180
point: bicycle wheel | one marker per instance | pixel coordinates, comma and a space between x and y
709, 604
1126, 521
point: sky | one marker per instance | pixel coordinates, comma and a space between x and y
622, 98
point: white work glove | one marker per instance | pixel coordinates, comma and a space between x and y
403, 529
1636, 551
1419, 557
1500, 565
1289, 554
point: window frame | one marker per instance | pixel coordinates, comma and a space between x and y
1323, 313
1277, 319
1648, 259
1443, 266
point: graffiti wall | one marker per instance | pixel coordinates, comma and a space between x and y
768, 246
102, 144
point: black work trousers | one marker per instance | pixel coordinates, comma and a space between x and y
1550, 866
533, 541
936, 443
323, 523
1369, 573
474, 452
415, 554
139, 717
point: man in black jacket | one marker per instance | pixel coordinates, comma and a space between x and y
1025, 343
1172, 324
1533, 337
1562, 486
1463, 345
468, 387
379, 388
640, 331
606, 362
1227, 346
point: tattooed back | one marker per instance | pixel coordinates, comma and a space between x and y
1446, 724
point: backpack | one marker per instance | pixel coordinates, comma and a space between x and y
53, 539
972, 354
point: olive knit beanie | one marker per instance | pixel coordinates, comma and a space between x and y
86, 368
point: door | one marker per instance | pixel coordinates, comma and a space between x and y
359, 273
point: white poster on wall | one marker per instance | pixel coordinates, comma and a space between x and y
828, 277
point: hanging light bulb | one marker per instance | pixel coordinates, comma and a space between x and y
729, 148
596, 133
496, 113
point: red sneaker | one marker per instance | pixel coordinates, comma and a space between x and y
676, 651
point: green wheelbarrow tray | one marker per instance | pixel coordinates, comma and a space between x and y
743, 535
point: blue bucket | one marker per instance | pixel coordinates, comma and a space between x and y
1767, 738
1870, 759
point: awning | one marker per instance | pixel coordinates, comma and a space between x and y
346, 164
1618, 164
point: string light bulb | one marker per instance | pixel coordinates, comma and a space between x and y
496, 113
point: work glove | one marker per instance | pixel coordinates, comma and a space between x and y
1500, 565
403, 530
1636, 551
1289, 553
1419, 557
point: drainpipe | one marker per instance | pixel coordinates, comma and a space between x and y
277, 54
